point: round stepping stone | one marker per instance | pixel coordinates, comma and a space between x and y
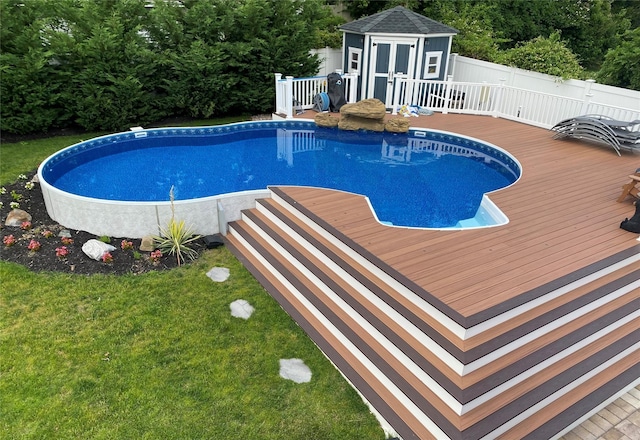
218, 274
241, 309
295, 370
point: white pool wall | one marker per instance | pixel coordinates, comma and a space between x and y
139, 219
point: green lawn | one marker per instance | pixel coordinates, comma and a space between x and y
158, 355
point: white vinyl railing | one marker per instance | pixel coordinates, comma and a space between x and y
295, 94
498, 100
527, 106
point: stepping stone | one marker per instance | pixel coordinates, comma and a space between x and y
241, 309
295, 370
218, 274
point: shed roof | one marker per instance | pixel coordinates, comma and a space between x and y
398, 20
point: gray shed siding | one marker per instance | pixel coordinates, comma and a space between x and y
436, 44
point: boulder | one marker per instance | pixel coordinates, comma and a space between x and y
367, 108
147, 244
326, 120
356, 123
16, 217
397, 125
96, 249
367, 114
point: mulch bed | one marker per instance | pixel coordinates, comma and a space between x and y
129, 261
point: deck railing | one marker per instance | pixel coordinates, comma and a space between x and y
296, 94
527, 106
498, 100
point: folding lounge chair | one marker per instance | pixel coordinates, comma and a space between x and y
617, 134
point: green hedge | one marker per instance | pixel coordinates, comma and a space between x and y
113, 64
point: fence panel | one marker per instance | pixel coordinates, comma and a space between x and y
527, 106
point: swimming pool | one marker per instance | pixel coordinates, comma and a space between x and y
119, 184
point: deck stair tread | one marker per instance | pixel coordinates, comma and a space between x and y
404, 360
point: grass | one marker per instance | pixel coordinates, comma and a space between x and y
157, 356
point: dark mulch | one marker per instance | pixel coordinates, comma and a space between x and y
45, 259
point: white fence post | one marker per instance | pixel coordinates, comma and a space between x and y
399, 81
351, 86
497, 108
278, 94
288, 96
586, 100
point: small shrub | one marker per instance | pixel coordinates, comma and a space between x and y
176, 237
62, 252
105, 239
9, 240
155, 256
66, 241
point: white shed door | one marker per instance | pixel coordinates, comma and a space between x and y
388, 57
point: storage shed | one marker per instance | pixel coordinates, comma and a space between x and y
391, 42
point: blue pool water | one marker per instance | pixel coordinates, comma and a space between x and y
430, 179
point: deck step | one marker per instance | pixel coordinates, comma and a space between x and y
390, 344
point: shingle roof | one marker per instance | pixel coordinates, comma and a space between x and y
398, 20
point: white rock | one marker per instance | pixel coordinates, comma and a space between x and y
241, 309
96, 249
295, 370
218, 274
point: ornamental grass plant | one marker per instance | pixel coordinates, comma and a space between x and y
175, 238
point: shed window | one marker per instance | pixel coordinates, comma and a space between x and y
432, 65
355, 60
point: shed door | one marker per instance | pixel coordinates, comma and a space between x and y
387, 58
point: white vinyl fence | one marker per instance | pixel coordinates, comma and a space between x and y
498, 100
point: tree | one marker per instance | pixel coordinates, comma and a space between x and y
476, 37
112, 64
588, 27
620, 67
544, 55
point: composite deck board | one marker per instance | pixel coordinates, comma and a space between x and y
529, 339
578, 182
417, 388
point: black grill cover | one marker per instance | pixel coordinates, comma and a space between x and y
335, 90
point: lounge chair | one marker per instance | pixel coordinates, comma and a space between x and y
631, 188
617, 134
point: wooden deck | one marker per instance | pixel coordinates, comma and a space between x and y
560, 280
563, 216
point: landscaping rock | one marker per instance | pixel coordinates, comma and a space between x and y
326, 120
218, 274
64, 233
367, 114
95, 249
147, 244
241, 309
367, 108
397, 125
354, 123
295, 370
16, 217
